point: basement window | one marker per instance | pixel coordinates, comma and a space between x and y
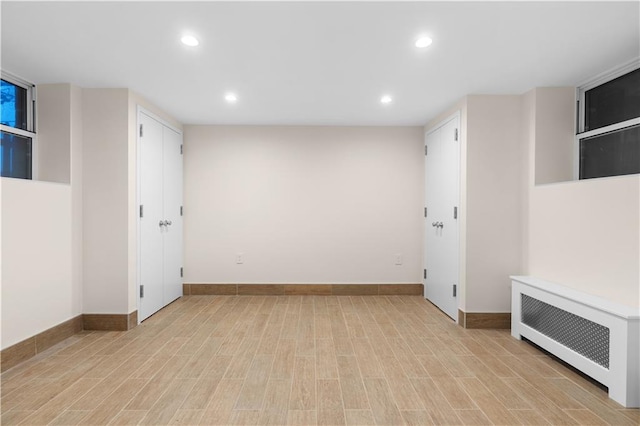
608, 138
17, 128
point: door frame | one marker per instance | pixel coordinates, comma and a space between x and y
142, 110
460, 221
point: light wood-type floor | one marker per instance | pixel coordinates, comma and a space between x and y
301, 360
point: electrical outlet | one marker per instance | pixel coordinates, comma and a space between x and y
239, 258
398, 258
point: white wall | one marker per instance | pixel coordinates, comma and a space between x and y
555, 125
37, 288
105, 171
494, 204
585, 235
303, 204
42, 225
54, 129
582, 234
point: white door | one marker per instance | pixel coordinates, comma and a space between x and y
172, 214
160, 220
442, 195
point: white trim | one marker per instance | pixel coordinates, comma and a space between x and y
31, 97
609, 128
598, 80
143, 110
445, 121
16, 131
34, 146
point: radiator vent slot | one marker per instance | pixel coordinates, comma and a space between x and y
585, 337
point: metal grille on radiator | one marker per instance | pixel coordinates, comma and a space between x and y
587, 338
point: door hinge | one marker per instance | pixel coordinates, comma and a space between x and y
426, 149
181, 271
455, 290
424, 274
180, 149
425, 212
141, 291
455, 136
141, 130
141, 210
180, 210
455, 212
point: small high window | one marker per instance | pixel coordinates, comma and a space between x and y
17, 128
609, 124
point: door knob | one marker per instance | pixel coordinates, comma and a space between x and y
161, 223
441, 225
434, 224
167, 222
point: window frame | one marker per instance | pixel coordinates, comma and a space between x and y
31, 119
581, 90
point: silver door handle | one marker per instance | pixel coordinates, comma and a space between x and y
441, 225
167, 222
434, 224
161, 223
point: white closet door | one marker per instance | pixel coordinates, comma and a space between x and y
172, 203
442, 194
150, 153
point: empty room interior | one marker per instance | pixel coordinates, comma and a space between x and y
331, 213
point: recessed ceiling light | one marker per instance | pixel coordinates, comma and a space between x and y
386, 99
231, 98
423, 42
190, 41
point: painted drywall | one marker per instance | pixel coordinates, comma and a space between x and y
585, 235
494, 203
76, 193
42, 224
105, 185
554, 134
37, 288
303, 204
54, 129
581, 234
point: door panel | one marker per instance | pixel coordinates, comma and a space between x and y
160, 229
172, 203
442, 193
150, 196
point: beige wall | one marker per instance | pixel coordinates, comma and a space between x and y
42, 224
585, 235
494, 204
105, 171
37, 285
303, 204
76, 193
555, 124
54, 132
581, 234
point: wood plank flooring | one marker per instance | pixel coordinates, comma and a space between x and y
301, 360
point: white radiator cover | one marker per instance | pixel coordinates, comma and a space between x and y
617, 325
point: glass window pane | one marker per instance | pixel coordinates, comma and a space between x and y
15, 156
14, 106
611, 154
613, 102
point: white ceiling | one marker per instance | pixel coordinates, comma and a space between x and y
316, 63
